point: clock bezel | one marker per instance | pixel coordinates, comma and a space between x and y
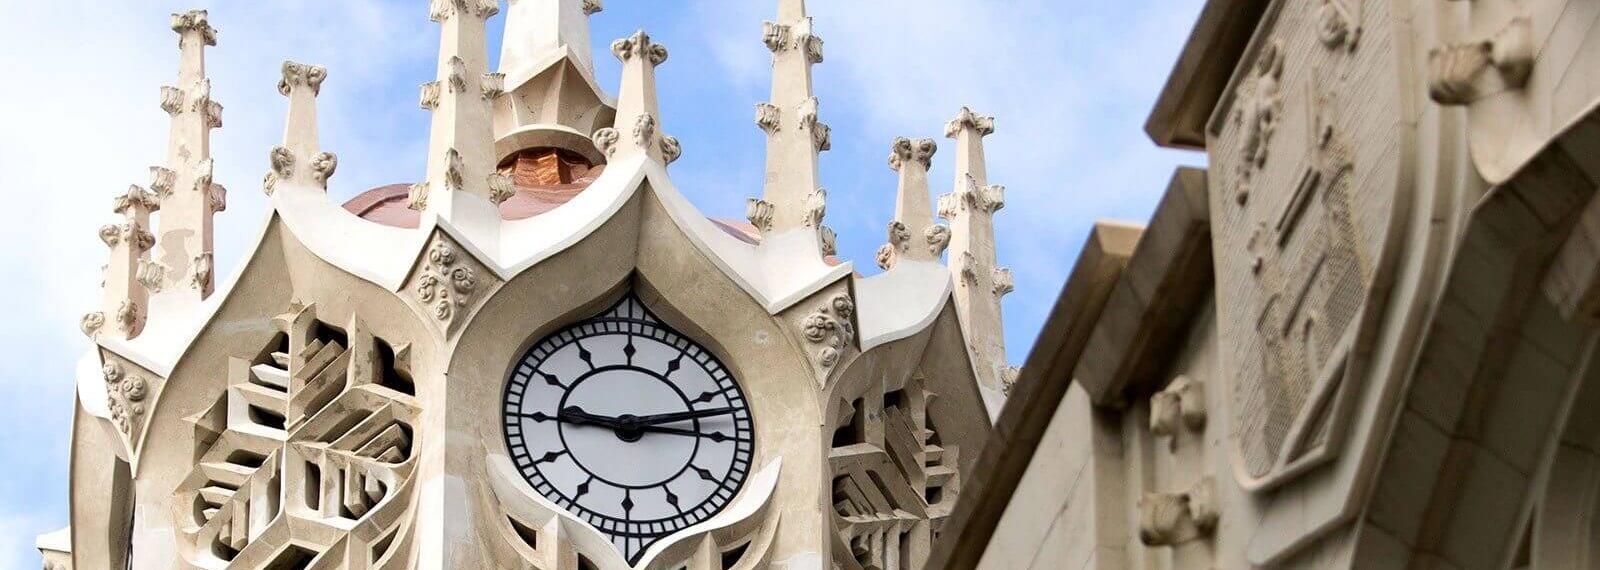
632, 317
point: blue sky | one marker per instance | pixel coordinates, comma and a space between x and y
1070, 83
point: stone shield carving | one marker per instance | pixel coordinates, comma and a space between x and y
1308, 197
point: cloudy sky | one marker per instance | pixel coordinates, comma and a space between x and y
1069, 81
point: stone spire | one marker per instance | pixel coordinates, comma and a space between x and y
791, 197
462, 184
638, 125
183, 257
552, 99
128, 275
913, 235
980, 282
539, 31
300, 159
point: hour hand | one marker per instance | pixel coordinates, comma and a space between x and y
657, 419
575, 415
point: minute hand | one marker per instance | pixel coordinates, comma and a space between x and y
681, 416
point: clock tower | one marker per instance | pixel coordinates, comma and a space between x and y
541, 355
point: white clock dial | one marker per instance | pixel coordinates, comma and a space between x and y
628, 425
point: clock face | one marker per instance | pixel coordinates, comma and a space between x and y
628, 425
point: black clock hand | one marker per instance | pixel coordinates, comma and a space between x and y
575, 415
657, 419
713, 436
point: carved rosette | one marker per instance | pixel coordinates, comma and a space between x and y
938, 238
830, 328
448, 283
501, 188
606, 140
127, 392
282, 161
899, 244
91, 323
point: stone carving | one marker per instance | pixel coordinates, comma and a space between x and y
322, 167
310, 433
1456, 72
282, 160
816, 207
136, 197
442, 10
904, 150
938, 238
150, 273
969, 268
128, 317
606, 140
966, 119
776, 36
592, 7
202, 270
832, 328
453, 170
1008, 378
213, 112
501, 188
172, 100
1183, 403
458, 74
444, 283
111, 234
821, 137
1167, 519
639, 44
417, 197
1339, 23
813, 46
91, 323
493, 85
644, 129
899, 243
828, 240
768, 117
302, 75
430, 95
1258, 112
125, 396
671, 149
1004, 283
219, 198
894, 476
759, 212
161, 180
195, 21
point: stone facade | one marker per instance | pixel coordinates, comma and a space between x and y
361, 394
1363, 337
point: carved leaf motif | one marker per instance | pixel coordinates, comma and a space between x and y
671, 149
905, 150
592, 7
831, 326
302, 75
91, 323
430, 95
775, 36
494, 84
768, 117
417, 197
759, 212
1004, 282
966, 119
938, 238
816, 207
501, 188
322, 167
644, 129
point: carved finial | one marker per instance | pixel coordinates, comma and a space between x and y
461, 153
127, 284
980, 282
791, 117
184, 184
913, 212
301, 83
637, 108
